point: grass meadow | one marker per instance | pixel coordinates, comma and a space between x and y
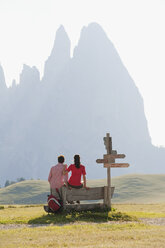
87, 235
29, 226
131, 224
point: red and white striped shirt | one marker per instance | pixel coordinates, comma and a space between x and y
56, 177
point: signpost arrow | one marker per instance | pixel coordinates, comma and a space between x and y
116, 165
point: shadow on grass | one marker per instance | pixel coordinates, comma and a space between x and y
63, 217
86, 216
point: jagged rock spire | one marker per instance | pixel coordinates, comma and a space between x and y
59, 57
61, 46
95, 44
29, 75
2, 80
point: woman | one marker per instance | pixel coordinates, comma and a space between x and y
77, 170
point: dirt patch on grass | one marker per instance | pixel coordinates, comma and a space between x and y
148, 221
15, 226
154, 221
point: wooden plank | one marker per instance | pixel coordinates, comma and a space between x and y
116, 165
117, 155
109, 158
83, 194
80, 207
102, 161
96, 193
108, 143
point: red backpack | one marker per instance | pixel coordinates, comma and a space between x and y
54, 204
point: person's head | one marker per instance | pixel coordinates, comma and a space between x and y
77, 160
61, 159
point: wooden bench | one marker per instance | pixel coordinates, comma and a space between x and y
83, 194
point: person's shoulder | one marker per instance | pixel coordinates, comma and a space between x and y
71, 165
54, 166
61, 165
82, 166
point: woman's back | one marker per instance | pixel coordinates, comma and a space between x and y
75, 178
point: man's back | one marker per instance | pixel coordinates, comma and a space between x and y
56, 177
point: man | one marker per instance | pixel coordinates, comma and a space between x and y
56, 177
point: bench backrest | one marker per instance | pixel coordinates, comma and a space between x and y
96, 193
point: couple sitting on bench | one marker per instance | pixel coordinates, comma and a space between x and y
58, 176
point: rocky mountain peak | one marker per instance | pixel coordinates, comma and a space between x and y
29, 75
93, 42
59, 57
2, 80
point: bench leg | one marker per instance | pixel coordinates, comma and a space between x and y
105, 196
63, 189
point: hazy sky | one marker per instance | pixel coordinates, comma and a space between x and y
136, 28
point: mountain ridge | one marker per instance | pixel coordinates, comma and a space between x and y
71, 109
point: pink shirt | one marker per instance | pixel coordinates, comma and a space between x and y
56, 177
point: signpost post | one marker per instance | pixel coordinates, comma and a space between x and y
109, 162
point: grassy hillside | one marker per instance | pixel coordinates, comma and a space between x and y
128, 189
139, 189
26, 192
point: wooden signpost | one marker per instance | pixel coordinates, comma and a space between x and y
109, 162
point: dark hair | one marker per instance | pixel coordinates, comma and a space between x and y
77, 161
61, 159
